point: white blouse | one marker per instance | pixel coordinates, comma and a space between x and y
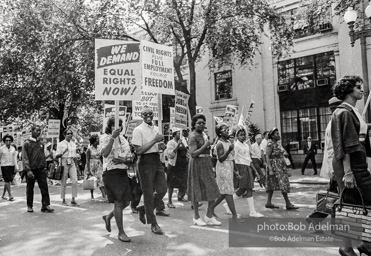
242, 153
8, 156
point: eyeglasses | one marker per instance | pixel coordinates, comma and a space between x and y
147, 114
201, 123
69, 133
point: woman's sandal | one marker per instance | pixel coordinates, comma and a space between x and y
271, 206
170, 205
5, 198
291, 207
11, 199
107, 222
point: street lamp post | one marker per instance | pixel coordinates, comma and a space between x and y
350, 17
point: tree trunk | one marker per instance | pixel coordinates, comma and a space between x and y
192, 98
60, 117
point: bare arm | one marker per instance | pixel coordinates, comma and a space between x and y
349, 180
144, 148
222, 156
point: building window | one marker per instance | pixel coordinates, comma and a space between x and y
289, 121
308, 119
305, 24
307, 72
325, 69
304, 72
223, 85
324, 119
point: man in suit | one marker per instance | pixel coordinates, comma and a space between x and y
310, 150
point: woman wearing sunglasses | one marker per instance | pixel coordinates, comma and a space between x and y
351, 148
8, 162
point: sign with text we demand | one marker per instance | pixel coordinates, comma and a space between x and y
117, 70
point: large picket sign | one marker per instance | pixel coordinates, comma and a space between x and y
149, 99
181, 109
109, 110
157, 68
117, 70
53, 128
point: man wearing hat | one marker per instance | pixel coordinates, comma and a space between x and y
147, 142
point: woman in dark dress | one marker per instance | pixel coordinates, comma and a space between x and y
177, 170
201, 182
351, 147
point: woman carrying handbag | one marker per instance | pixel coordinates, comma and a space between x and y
351, 147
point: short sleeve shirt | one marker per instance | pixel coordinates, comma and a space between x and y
123, 151
71, 146
143, 134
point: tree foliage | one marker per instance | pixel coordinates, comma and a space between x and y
223, 26
47, 53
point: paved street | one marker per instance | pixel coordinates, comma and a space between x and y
81, 231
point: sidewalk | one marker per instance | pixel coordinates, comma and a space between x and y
307, 178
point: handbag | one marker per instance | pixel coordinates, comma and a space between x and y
325, 201
136, 191
17, 179
58, 173
356, 218
89, 184
51, 171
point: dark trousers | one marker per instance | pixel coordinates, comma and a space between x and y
40, 177
153, 184
312, 158
291, 161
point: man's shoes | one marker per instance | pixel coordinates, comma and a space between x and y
29, 209
302, 172
162, 213
11, 199
47, 209
64, 203
155, 228
142, 214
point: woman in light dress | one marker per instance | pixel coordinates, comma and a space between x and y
94, 165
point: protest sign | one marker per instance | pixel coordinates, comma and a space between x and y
172, 117
53, 128
157, 68
109, 110
138, 107
231, 113
130, 128
117, 70
181, 109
